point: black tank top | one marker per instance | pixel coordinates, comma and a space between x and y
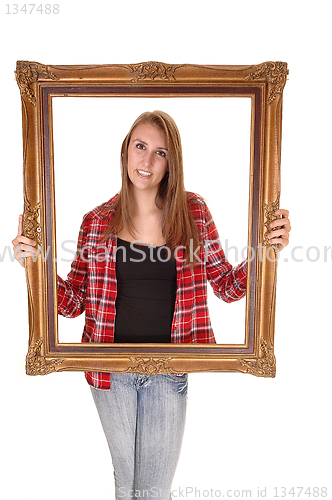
146, 290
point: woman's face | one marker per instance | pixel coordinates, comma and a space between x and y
147, 157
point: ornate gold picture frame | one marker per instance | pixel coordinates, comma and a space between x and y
39, 84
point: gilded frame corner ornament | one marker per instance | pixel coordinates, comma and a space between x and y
263, 84
264, 365
39, 364
275, 74
28, 73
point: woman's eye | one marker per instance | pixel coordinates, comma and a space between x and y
140, 146
161, 153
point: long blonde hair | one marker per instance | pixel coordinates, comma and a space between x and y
178, 226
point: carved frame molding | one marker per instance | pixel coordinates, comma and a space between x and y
264, 83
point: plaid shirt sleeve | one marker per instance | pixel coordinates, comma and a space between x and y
72, 292
228, 282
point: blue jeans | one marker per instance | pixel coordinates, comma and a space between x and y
143, 417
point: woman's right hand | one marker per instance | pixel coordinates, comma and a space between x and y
23, 246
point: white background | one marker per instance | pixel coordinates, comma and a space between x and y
88, 134
242, 432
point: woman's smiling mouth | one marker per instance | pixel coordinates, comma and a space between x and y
143, 173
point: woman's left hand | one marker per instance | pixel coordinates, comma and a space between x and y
280, 237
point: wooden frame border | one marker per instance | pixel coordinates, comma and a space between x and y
38, 83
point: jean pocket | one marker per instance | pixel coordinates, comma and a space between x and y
179, 382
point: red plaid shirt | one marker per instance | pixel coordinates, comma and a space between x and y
91, 285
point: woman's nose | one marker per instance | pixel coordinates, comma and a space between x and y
148, 159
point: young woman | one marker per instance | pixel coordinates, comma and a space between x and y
140, 274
